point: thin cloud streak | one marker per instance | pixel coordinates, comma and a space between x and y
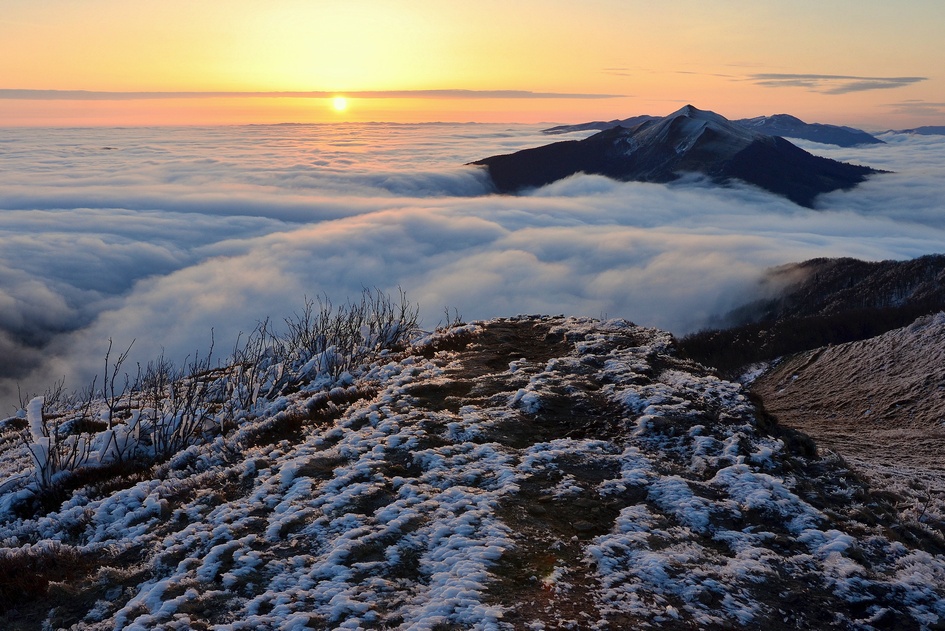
92, 95
832, 84
917, 107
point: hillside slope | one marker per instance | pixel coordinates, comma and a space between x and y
879, 402
514, 474
527, 473
819, 302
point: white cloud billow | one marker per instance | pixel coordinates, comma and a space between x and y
175, 232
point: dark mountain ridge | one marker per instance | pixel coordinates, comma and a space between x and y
783, 125
688, 140
633, 121
793, 127
822, 301
926, 130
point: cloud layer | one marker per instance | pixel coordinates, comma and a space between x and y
160, 235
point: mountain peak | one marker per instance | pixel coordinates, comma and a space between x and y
688, 140
686, 110
691, 111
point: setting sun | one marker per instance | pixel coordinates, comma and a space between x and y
339, 103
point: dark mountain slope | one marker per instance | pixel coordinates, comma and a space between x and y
689, 140
820, 302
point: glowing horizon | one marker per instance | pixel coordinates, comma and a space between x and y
134, 63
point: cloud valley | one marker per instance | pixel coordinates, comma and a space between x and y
160, 235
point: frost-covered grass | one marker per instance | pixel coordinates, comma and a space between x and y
163, 409
584, 477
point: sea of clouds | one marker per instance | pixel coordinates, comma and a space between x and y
159, 235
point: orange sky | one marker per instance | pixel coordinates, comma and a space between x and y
875, 64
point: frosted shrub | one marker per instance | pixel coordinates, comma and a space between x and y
342, 338
51, 453
163, 409
180, 408
321, 340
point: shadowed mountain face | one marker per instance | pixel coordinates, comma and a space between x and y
819, 302
689, 140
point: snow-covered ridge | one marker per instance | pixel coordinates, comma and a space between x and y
519, 473
783, 125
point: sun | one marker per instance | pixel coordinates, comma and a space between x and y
339, 103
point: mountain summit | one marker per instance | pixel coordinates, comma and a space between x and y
688, 140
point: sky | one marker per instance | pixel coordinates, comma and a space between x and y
870, 63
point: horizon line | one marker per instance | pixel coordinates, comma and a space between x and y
104, 95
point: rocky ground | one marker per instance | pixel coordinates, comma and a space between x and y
526, 473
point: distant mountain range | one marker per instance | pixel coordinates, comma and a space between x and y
688, 140
928, 130
783, 125
792, 127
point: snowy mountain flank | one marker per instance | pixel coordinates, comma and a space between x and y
521, 473
783, 125
687, 141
